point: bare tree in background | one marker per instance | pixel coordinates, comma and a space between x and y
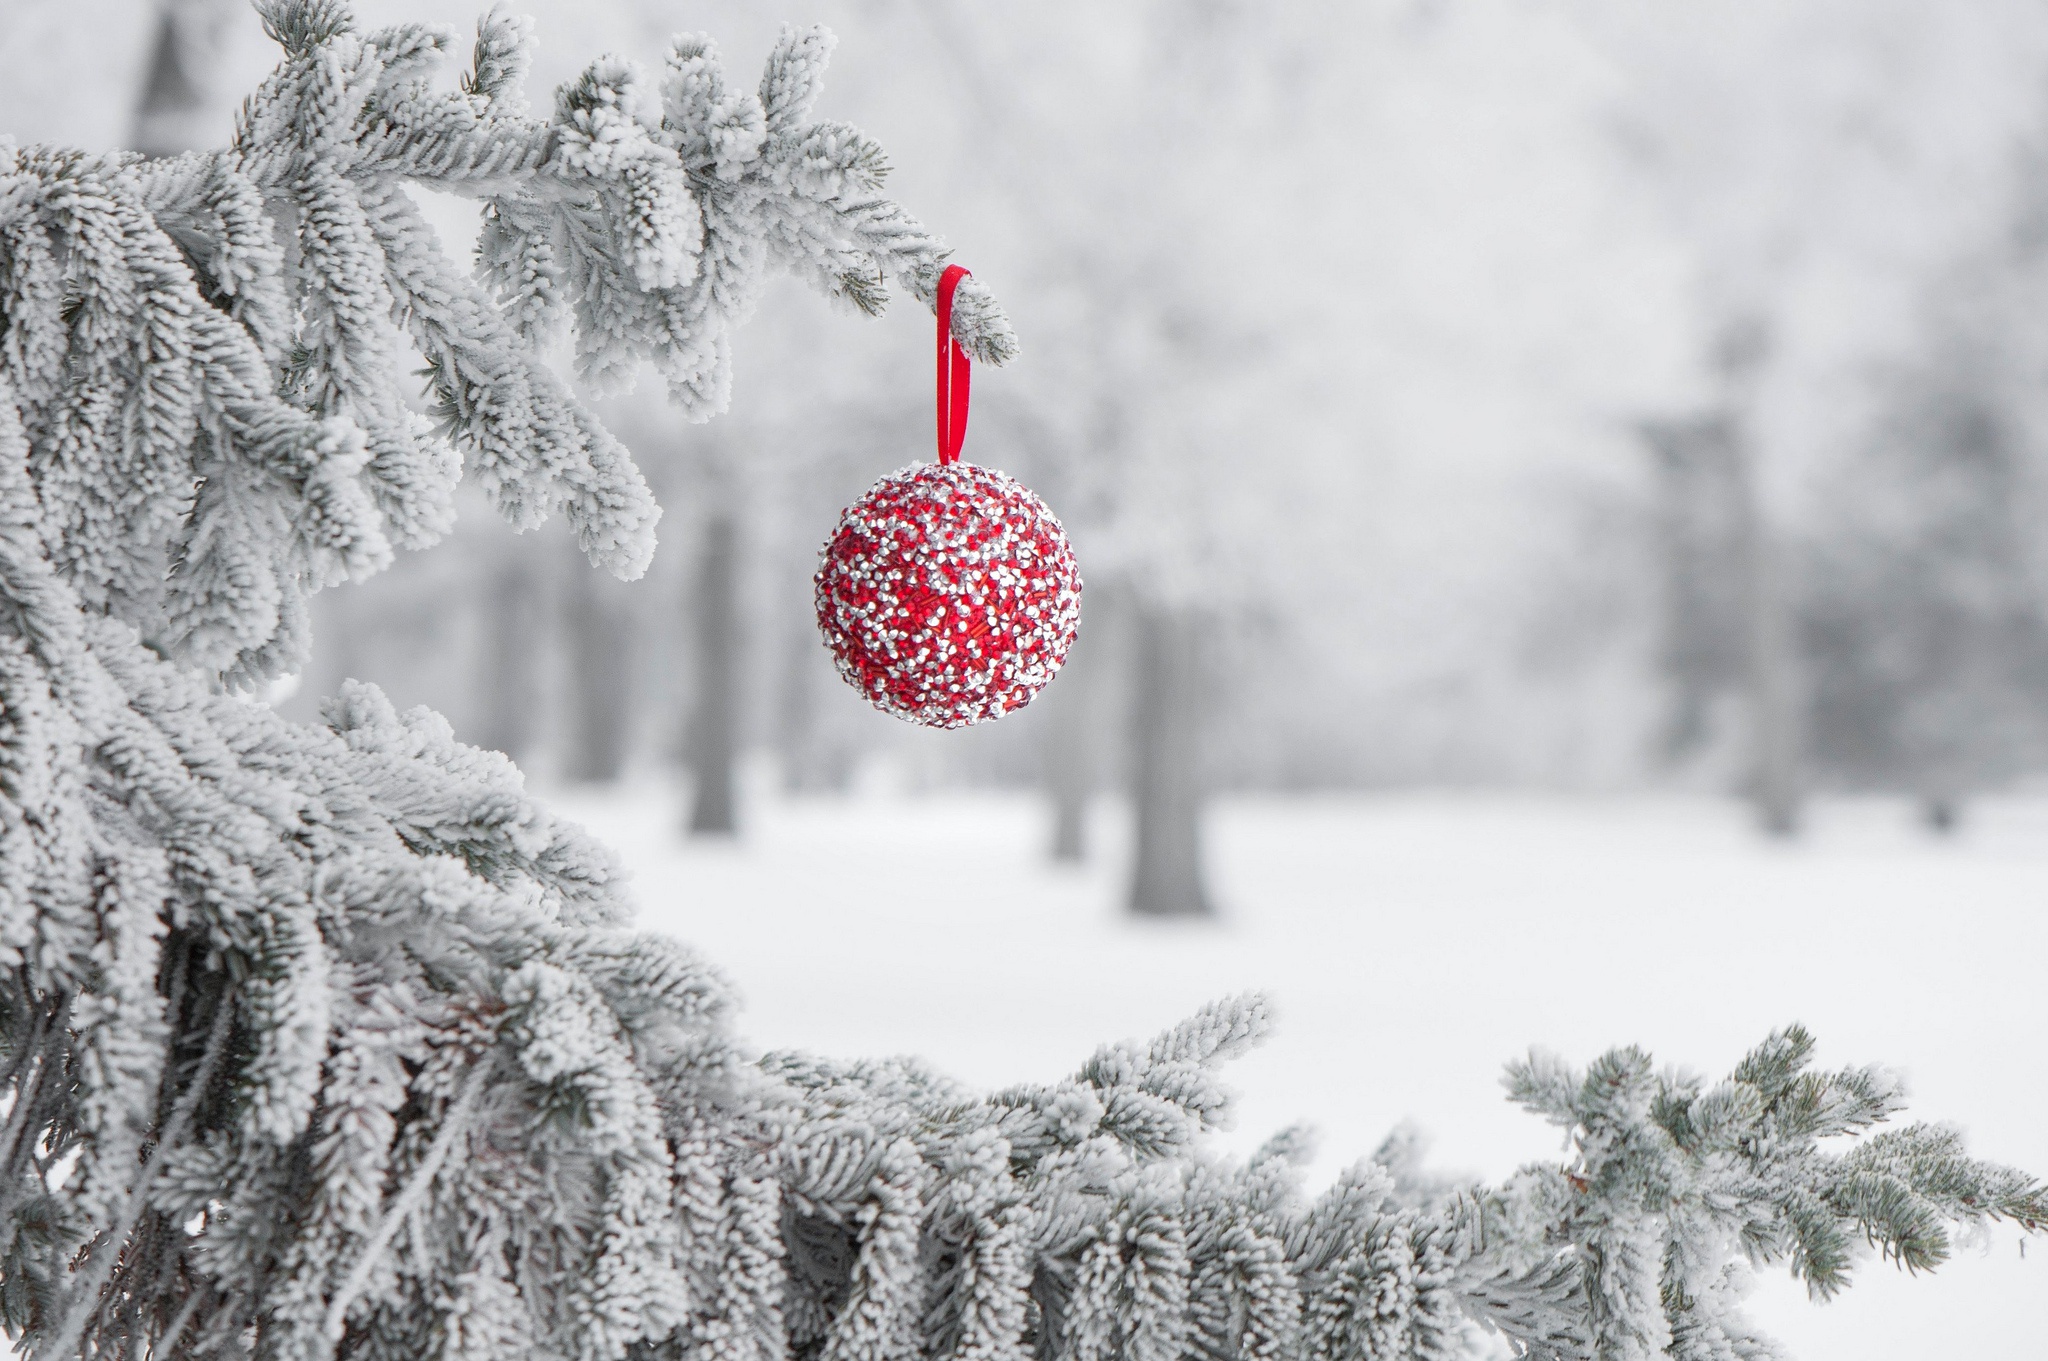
1774, 766
1068, 755
1070, 764
515, 631
1774, 776
179, 99
1701, 651
1924, 624
1144, 454
1166, 763
1728, 612
714, 727
814, 759
597, 633
1815, 209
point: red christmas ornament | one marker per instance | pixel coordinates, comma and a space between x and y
948, 594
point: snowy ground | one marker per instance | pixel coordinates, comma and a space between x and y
1412, 944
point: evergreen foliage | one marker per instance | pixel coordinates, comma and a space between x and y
326, 1041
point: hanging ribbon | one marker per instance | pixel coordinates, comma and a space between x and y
954, 371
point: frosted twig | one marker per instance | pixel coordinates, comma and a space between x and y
86, 1300
167, 1345
453, 1125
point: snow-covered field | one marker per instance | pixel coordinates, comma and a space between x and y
1412, 944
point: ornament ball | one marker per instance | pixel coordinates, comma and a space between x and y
948, 594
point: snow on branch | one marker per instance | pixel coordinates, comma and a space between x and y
256, 439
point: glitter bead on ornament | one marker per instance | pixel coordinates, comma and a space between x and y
948, 594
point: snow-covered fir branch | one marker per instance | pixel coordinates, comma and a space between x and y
323, 1041
208, 475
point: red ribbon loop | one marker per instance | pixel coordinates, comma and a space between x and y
954, 370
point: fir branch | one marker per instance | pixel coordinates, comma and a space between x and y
454, 1125
86, 1288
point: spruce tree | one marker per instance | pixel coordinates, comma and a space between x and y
322, 1041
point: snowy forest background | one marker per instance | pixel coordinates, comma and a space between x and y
1561, 486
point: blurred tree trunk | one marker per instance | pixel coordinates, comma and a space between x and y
714, 728
515, 626
598, 635
1728, 617
1166, 729
1069, 750
175, 113
1702, 649
1773, 676
1770, 647
1069, 778
814, 758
